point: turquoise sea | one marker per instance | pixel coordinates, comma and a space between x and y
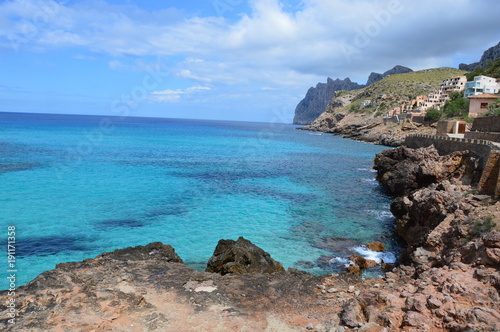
77, 186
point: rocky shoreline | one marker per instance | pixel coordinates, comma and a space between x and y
449, 279
365, 128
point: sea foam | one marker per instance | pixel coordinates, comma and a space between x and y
379, 257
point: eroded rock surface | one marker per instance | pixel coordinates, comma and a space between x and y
403, 170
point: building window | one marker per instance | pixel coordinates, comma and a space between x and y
484, 105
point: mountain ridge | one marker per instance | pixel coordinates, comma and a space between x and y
317, 98
398, 69
489, 55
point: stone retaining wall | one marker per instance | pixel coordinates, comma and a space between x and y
446, 145
487, 124
487, 152
490, 136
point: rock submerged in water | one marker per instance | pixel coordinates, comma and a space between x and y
376, 246
362, 262
240, 257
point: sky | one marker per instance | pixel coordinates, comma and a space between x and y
248, 60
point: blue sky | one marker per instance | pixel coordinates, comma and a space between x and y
250, 60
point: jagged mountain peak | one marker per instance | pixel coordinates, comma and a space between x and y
489, 55
375, 77
316, 99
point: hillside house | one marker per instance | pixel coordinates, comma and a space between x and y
453, 84
481, 84
479, 103
434, 100
439, 97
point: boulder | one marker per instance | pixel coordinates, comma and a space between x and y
492, 239
415, 319
351, 314
376, 246
354, 269
240, 257
362, 262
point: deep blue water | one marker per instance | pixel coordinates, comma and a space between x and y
77, 186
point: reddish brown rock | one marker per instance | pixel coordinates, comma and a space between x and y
433, 302
415, 319
241, 256
403, 170
354, 269
362, 262
492, 239
376, 246
351, 315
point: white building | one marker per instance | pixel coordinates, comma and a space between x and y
439, 97
481, 84
453, 84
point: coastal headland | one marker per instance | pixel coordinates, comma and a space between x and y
449, 278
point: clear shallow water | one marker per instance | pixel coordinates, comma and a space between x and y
77, 186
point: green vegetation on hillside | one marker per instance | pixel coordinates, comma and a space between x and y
494, 108
433, 115
457, 106
413, 84
395, 89
492, 70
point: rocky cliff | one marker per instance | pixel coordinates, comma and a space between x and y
375, 77
316, 99
489, 55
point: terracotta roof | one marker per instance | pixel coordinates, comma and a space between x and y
485, 96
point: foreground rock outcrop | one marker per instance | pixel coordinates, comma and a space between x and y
148, 288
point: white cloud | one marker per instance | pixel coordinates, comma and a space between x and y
170, 95
197, 88
275, 44
84, 57
166, 96
115, 64
168, 92
311, 40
